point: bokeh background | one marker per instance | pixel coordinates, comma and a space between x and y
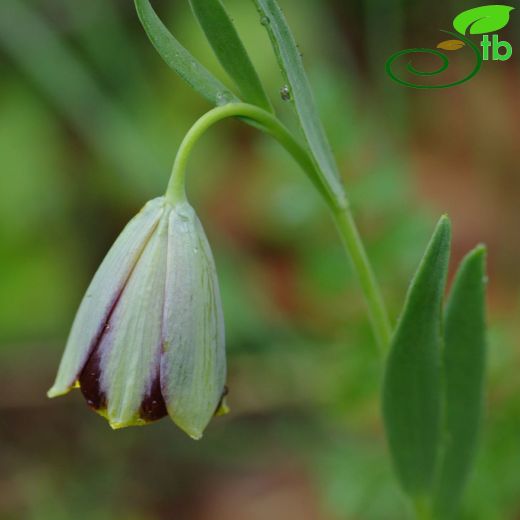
90, 119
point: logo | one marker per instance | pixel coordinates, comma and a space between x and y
478, 21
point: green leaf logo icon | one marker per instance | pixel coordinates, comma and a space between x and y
483, 20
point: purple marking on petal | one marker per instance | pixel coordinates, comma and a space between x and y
105, 324
153, 406
90, 375
105, 327
89, 381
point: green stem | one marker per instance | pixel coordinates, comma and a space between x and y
376, 306
340, 210
258, 118
423, 509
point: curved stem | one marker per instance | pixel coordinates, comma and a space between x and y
258, 118
340, 210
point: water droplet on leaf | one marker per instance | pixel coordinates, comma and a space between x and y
223, 98
285, 93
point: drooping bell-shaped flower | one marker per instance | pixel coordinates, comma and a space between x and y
148, 338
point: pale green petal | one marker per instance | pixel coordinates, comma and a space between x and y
103, 292
193, 366
131, 348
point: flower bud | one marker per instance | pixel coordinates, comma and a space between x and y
148, 338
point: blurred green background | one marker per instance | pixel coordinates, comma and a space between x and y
90, 119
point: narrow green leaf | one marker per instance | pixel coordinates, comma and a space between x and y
230, 51
180, 60
482, 20
58, 72
411, 389
299, 92
463, 364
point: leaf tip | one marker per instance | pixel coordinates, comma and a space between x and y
444, 225
477, 254
475, 262
480, 250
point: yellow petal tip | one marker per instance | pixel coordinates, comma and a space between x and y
116, 425
119, 424
223, 409
57, 392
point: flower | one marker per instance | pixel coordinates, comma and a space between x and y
148, 338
